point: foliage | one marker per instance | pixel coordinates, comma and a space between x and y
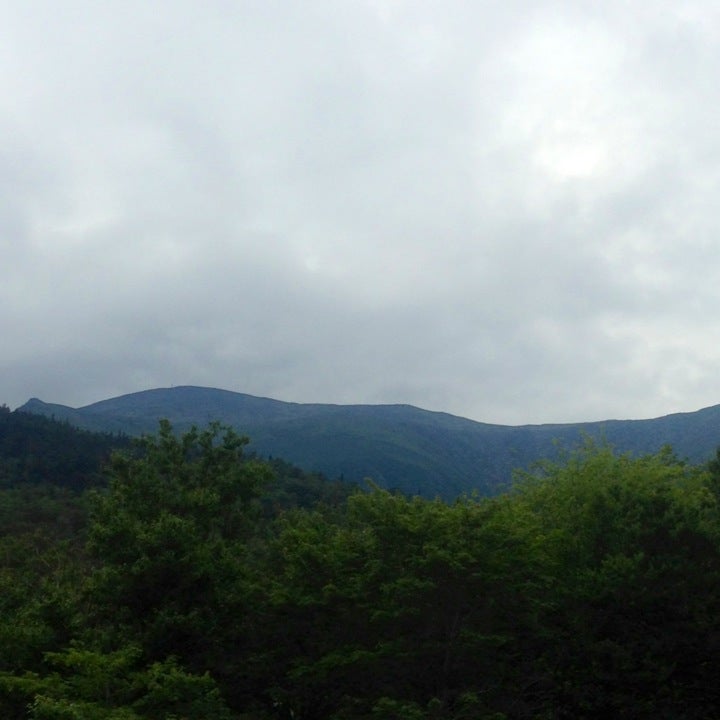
637, 578
35, 449
189, 584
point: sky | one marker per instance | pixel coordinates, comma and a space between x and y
507, 211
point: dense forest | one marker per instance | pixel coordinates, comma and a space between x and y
186, 580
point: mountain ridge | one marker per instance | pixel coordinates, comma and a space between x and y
399, 446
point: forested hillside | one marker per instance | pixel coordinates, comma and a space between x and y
35, 449
180, 590
41, 455
399, 446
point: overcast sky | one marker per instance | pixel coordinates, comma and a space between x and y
509, 211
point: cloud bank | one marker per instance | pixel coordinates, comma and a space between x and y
507, 213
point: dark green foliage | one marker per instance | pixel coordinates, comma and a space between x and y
198, 583
636, 621
591, 591
292, 487
171, 536
404, 601
35, 449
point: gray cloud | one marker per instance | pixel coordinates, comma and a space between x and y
507, 213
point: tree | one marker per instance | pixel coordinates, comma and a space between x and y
404, 608
171, 538
90, 685
636, 598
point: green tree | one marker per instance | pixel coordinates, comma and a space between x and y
173, 536
636, 598
404, 603
90, 685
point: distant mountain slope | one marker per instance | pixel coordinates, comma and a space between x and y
398, 446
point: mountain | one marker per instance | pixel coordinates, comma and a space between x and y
398, 446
